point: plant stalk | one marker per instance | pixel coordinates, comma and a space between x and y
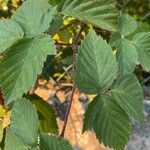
74, 48
1, 99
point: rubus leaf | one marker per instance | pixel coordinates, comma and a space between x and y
52, 142
142, 43
21, 64
34, 17
127, 24
96, 65
10, 32
24, 121
127, 56
109, 121
127, 92
47, 117
13, 143
100, 13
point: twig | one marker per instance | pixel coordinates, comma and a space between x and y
75, 45
67, 84
122, 6
67, 113
60, 45
145, 80
65, 72
1, 99
74, 48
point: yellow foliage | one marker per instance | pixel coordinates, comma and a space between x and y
91, 97
4, 116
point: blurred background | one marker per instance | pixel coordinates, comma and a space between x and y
54, 85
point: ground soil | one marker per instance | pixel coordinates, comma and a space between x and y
86, 141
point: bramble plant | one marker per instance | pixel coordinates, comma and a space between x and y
103, 67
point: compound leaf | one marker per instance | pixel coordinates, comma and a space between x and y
52, 142
96, 65
24, 121
142, 43
109, 121
34, 17
100, 13
10, 32
127, 92
21, 64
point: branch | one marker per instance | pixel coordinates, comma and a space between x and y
74, 48
75, 45
1, 99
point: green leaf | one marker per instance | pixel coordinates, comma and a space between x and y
21, 64
100, 13
10, 32
142, 43
34, 17
96, 65
127, 92
52, 142
127, 56
13, 143
127, 24
54, 2
56, 24
24, 121
109, 121
47, 117
1, 132
115, 39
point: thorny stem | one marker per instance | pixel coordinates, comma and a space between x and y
74, 48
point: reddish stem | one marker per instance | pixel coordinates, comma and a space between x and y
74, 48
1, 99
67, 113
